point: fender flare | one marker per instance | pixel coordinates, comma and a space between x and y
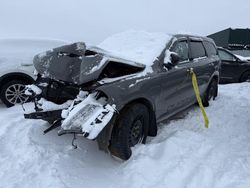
15, 75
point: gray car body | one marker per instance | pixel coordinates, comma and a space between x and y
164, 91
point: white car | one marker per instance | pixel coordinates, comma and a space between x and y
16, 66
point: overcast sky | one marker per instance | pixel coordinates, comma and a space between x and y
94, 20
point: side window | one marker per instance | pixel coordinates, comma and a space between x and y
210, 48
225, 56
197, 49
181, 48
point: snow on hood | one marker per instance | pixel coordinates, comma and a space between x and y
242, 58
138, 46
16, 52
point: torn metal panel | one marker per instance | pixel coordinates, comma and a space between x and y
76, 64
90, 115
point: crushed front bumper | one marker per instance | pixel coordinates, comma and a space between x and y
86, 117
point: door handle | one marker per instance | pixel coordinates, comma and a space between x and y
189, 70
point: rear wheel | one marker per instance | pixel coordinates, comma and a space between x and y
245, 77
211, 92
13, 93
129, 130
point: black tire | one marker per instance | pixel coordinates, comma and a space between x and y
211, 92
12, 93
245, 77
130, 129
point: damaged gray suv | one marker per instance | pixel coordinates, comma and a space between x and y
118, 92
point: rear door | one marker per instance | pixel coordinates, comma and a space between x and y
200, 62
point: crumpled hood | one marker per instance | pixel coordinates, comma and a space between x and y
73, 63
67, 63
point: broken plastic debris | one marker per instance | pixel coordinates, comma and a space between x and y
89, 116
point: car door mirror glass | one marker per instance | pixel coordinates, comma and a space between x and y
171, 59
175, 58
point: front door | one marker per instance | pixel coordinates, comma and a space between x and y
229, 66
176, 83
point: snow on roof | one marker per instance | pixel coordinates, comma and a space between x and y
138, 46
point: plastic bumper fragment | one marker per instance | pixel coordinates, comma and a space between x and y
47, 116
88, 121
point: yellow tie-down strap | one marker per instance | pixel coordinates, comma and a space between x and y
198, 97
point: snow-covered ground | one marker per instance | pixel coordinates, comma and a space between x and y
184, 154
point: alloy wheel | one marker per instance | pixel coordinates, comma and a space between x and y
14, 94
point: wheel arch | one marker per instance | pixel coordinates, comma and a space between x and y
104, 137
152, 129
215, 77
12, 76
241, 75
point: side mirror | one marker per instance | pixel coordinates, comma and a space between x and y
175, 58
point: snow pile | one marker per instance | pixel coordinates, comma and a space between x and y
184, 154
138, 46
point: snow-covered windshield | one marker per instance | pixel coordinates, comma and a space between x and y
138, 46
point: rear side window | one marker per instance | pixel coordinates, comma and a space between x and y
210, 48
197, 49
181, 48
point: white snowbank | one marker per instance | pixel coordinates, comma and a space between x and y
138, 46
184, 154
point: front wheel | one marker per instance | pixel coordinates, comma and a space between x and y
210, 93
13, 93
130, 129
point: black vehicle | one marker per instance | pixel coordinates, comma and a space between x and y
116, 101
233, 68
